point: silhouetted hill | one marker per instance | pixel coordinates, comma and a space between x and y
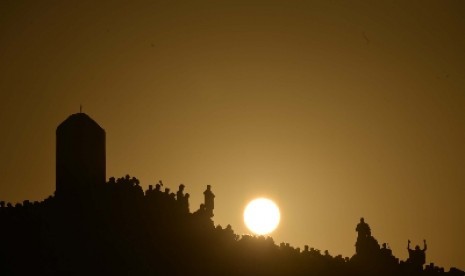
118, 229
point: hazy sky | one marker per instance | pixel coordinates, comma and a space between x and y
334, 109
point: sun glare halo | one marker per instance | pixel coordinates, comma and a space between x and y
261, 216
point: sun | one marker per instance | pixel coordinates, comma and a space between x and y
261, 216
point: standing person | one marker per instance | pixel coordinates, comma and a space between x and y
209, 201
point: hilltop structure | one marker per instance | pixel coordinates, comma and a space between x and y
80, 156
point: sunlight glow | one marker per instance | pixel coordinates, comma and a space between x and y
261, 216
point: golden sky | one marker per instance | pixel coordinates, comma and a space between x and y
334, 109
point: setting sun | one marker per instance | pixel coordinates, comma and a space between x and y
261, 216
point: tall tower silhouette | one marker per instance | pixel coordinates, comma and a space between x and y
80, 156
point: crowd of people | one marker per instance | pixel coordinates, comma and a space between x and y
120, 229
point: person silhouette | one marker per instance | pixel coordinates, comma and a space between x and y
366, 244
363, 229
386, 250
180, 193
417, 256
209, 201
